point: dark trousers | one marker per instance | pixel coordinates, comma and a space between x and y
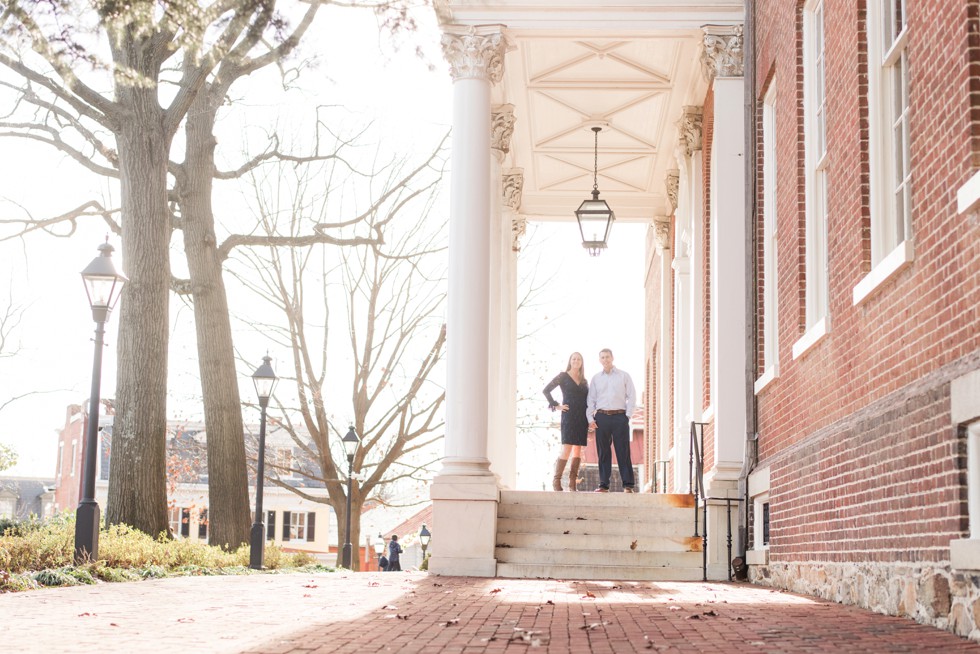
614, 431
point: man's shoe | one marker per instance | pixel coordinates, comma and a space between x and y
629, 489
601, 490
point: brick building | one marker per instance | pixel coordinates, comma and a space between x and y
852, 249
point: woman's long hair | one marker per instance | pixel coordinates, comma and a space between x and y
568, 368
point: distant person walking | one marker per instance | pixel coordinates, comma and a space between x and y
574, 425
612, 399
394, 552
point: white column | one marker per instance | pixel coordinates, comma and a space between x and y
664, 345
505, 195
464, 493
729, 292
682, 356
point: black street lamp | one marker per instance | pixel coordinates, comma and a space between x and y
379, 549
103, 284
350, 442
265, 380
424, 537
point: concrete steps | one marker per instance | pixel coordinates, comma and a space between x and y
614, 536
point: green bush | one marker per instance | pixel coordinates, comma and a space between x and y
81, 575
55, 577
15, 583
151, 572
106, 573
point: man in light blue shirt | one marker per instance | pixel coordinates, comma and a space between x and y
612, 399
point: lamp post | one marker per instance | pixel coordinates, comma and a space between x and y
594, 216
103, 284
379, 549
424, 537
350, 442
265, 380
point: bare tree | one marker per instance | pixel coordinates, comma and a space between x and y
218, 44
394, 333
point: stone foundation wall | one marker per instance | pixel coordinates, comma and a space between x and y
929, 594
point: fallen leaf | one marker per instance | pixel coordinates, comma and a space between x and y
87, 615
374, 583
185, 619
693, 617
550, 602
495, 591
437, 584
674, 608
307, 595
633, 545
709, 612
588, 595
402, 617
450, 623
566, 532
113, 624
738, 618
389, 607
310, 586
532, 638
581, 518
594, 625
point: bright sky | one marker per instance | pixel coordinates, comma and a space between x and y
590, 303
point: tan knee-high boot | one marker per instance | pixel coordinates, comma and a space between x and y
573, 474
559, 469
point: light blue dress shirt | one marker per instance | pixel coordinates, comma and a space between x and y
611, 391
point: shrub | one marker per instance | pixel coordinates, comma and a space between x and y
81, 575
106, 573
151, 572
15, 583
55, 577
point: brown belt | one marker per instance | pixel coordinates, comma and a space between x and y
611, 412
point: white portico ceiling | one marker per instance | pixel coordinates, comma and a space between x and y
629, 67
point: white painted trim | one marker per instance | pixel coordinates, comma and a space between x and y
708, 414
968, 195
757, 556
964, 400
769, 376
893, 263
759, 481
812, 336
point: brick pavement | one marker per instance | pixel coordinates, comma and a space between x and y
415, 612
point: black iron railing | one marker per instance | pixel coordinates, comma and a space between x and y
660, 476
701, 499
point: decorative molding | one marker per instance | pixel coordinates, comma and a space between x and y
672, 182
501, 127
690, 129
512, 184
661, 232
475, 51
723, 54
518, 228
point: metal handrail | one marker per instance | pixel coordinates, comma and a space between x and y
697, 489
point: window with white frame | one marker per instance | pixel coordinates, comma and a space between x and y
815, 129
174, 519
888, 113
8, 505
770, 350
297, 526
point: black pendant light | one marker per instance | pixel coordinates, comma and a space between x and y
594, 216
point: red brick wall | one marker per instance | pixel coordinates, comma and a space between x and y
857, 432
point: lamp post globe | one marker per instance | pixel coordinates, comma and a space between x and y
350, 441
265, 380
424, 537
103, 285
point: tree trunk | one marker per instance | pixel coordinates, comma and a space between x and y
137, 472
356, 505
228, 502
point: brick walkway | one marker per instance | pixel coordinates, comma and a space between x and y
414, 612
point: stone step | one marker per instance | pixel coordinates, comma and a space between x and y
604, 572
633, 529
575, 541
645, 500
590, 512
617, 557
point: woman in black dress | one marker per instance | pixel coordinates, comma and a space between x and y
574, 426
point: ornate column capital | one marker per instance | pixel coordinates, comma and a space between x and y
690, 130
512, 185
723, 54
475, 51
501, 127
661, 232
518, 228
672, 182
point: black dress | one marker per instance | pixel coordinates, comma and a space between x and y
574, 427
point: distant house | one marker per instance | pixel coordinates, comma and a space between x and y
23, 497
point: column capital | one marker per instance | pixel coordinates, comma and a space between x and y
672, 182
501, 127
689, 126
518, 226
512, 185
475, 51
661, 232
723, 54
